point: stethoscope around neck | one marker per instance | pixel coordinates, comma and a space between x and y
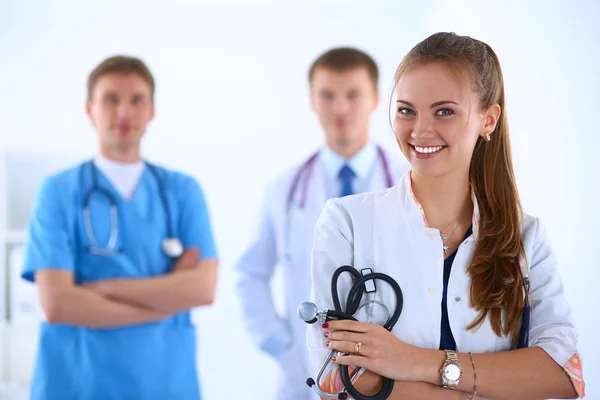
301, 179
300, 184
171, 245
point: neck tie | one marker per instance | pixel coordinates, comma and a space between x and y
346, 176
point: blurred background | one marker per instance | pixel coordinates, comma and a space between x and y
233, 110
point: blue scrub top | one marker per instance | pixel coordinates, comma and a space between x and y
147, 361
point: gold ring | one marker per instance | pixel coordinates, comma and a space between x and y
357, 349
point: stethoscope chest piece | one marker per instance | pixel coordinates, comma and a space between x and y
372, 310
172, 247
308, 312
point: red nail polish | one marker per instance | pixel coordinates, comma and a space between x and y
326, 334
327, 344
333, 359
325, 325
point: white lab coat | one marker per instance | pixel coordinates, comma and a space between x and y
269, 249
386, 232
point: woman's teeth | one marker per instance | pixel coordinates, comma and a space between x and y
426, 150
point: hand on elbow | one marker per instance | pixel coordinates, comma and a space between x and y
194, 294
187, 261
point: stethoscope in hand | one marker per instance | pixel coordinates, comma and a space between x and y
171, 245
309, 312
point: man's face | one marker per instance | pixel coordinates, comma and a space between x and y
120, 108
344, 101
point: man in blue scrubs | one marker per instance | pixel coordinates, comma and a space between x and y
117, 304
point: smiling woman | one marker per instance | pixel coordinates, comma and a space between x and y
445, 129
451, 127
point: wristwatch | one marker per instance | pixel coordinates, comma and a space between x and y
451, 371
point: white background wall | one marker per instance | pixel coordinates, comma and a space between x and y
233, 110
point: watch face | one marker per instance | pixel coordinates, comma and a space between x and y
452, 372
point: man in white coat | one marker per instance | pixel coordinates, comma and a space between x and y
344, 93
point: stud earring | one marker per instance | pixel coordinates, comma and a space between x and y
487, 137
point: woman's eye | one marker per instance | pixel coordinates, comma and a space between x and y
406, 111
444, 112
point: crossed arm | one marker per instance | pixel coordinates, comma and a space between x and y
122, 302
518, 374
370, 383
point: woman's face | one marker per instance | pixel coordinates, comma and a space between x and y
438, 120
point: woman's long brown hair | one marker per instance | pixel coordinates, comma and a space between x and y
496, 277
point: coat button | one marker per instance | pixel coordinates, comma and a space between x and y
457, 299
431, 290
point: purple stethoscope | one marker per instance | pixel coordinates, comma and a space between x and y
304, 173
301, 181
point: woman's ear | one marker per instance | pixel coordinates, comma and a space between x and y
490, 119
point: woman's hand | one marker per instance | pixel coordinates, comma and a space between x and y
379, 351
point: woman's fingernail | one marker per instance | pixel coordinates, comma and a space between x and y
326, 334
327, 343
333, 359
325, 325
